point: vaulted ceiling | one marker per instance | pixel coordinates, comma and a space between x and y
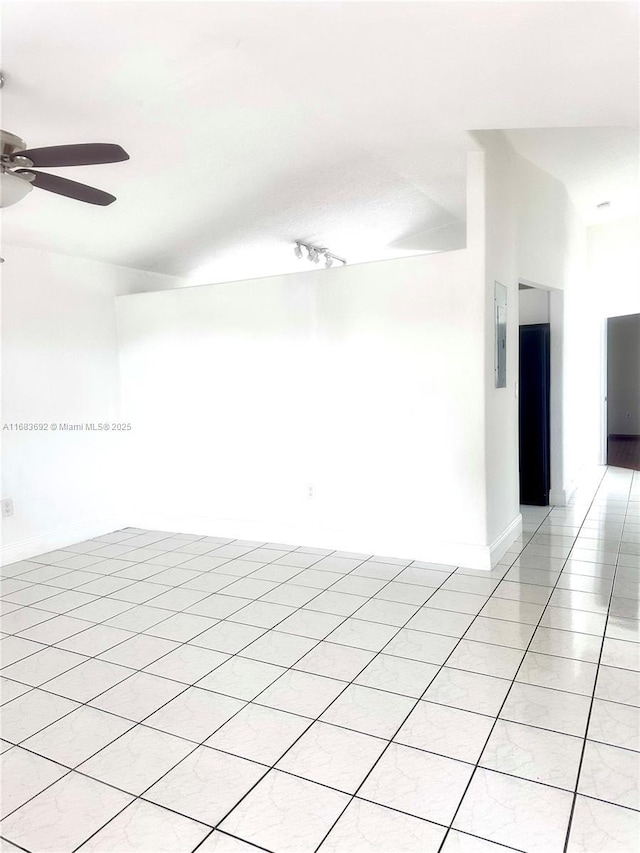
253, 124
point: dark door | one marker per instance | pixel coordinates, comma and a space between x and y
535, 357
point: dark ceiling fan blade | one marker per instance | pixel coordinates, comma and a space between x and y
89, 154
71, 189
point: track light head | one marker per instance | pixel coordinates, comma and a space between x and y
314, 253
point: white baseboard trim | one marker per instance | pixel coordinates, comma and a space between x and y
28, 548
412, 545
501, 543
561, 497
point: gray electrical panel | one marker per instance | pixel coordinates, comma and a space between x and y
500, 318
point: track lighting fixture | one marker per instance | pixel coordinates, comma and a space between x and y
314, 253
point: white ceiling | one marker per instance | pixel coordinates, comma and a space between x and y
250, 125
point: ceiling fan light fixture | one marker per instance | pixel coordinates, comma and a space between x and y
328, 260
13, 188
298, 251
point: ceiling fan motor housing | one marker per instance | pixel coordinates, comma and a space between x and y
13, 187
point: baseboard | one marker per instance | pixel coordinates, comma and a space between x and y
501, 543
411, 545
28, 548
561, 497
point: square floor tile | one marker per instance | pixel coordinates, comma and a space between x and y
416, 782
597, 827
259, 733
369, 828
139, 651
227, 637
136, 760
618, 685
405, 593
513, 611
469, 691
137, 618
458, 602
333, 756
206, 785
301, 693
574, 620
262, 614
398, 675
621, 653
77, 736
277, 648
609, 773
187, 663
362, 635
11, 690
31, 712
13, 649
487, 659
370, 711
56, 629
334, 661
336, 603
387, 612
181, 627
42, 666
138, 696
420, 645
446, 731
286, 814
573, 676
66, 814
515, 812
358, 586
194, 714
440, 622
23, 776
615, 724
309, 623
88, 680
291, 595
547, 709
241, 678
143, 827
536, 754
567, 644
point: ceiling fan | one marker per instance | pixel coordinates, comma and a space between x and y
17, 163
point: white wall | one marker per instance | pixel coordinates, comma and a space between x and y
614, 266
533, 306
623, 375
60, 364
364, 382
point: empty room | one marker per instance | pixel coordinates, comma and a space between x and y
320, 427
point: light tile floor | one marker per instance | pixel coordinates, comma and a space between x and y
167, 692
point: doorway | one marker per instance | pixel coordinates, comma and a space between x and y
534, 396
623, 391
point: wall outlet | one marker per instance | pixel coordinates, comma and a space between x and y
310, 490
7, 507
